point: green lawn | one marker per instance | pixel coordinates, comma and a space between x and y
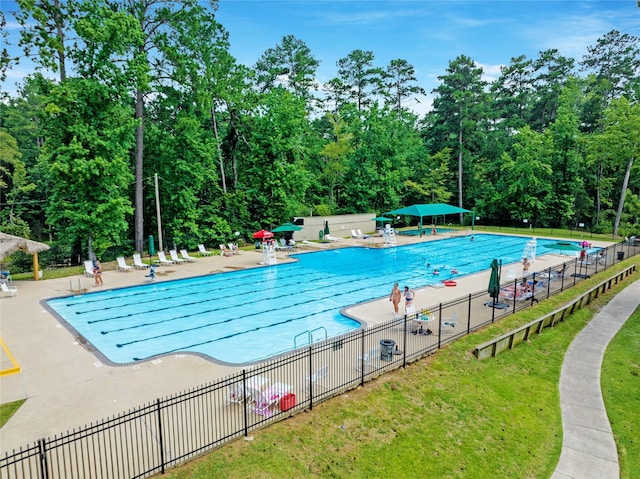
446, 416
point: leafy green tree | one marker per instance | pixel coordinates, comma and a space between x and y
14, 182
46, 29
551, 73
333, 155
619, 143
397, 84
358, 78
615, 61
458, 110
86, 157
513, 91
290, 65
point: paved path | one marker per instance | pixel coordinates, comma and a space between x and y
588, 447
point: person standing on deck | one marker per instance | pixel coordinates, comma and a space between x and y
395, 297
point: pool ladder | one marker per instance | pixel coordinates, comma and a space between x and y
309, 336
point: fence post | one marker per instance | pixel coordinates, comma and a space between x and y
310, 382
42, 454
440, 326
246, 413
159, 409
469, 314
362, 359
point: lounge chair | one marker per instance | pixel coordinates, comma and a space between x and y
175, 258
354, 234
265, 399
282, 245
224, 251
152, 273
122, 264
203, 251
8, 290
332, 238
137, 262
88, 268
450, 324
238, 394
368, 360
186, 257
233, 247
315, 382
162, 259
361, 234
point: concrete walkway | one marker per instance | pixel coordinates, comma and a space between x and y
588, 446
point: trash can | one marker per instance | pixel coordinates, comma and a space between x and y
620, 255
386, 349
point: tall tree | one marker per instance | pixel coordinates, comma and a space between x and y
551, 73
512, 93
45, 28
289, 64
615, 60
359, 78
458, 108
86, 156
398, 84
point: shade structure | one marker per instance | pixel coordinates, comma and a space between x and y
286, 228
263, 234
382, 219
564, 246
9, 244
422, 210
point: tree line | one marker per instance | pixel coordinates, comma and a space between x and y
149, 87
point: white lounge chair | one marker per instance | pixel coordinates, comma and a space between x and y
354, 234
233, 247
332, 238
186, 257
137, 262
362, 235
271, 395
8, 290
88, 268
162, 259
203, 251
450, 324
122, 264
368, 360
175, 258
238, 394
224, 251
315, 382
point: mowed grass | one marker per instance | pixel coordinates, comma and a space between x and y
446, 416
8, 409
620, 382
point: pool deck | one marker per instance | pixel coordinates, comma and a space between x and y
67, 386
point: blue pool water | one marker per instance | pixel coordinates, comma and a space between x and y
247, 315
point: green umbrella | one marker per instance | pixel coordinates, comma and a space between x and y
564, 246
287, 227
494, 287
382, 219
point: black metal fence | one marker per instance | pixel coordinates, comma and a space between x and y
163, 434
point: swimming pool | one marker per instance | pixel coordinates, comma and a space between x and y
248, 315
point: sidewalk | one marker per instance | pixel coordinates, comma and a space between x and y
588, 446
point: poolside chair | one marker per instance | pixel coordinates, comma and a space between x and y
137, 262
122, 264
224, 251
162, 259
270, 396
8, 290
361, 234
450, 324
234, 248
368, 360
88, 268
238, 394
186, 257
316, 381
354, 234
203, 251
175, 258
332, 238
281, 245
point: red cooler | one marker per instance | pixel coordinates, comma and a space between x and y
287, 402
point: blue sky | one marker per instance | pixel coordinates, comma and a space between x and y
426, 33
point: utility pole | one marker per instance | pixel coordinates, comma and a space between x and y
155, 179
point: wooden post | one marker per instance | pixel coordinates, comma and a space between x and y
36, 276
